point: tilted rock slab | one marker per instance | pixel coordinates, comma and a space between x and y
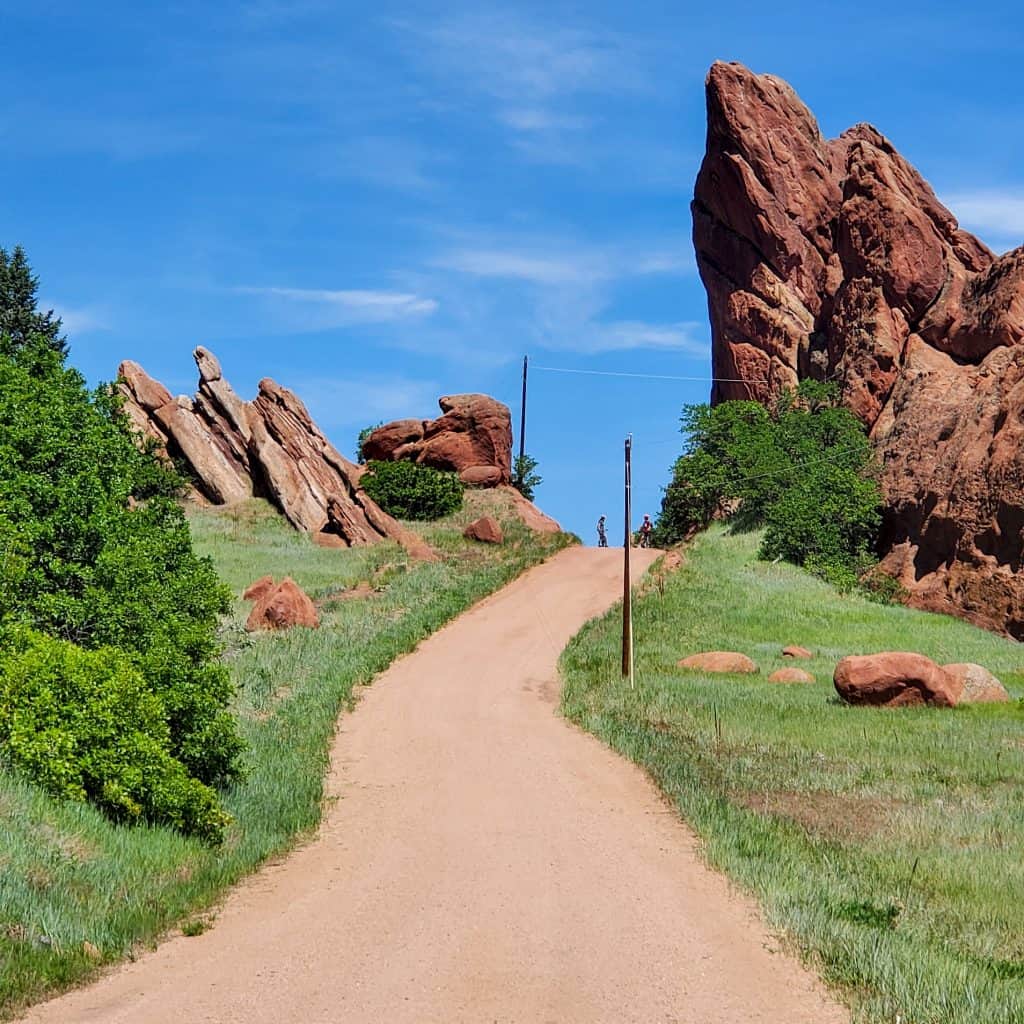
833, 259
269, 447
473, 437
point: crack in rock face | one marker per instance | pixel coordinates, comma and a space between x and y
833, 259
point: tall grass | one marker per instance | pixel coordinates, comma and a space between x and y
76, 891
886, 843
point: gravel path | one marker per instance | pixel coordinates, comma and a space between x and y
484, 862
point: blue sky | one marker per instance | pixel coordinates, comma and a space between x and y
379, 204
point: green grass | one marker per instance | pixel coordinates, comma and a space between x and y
70, 877
886, 843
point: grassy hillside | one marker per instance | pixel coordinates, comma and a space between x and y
885, 842
76, 891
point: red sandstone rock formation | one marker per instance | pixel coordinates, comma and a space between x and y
268, 447
833, 259
473, 437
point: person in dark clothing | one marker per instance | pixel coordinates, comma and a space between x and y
602, 536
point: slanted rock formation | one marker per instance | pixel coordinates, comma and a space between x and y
269, 447
833, 259
473, 437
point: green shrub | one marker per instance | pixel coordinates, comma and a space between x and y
525, 478
802, 469
94, 549
86, 726
410, 491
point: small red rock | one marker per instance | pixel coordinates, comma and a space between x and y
790, 675
794, 651
895, 679
719, 661
484, 529
285, 606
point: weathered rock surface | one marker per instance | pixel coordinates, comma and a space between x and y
979, 685
486, 529
895, 679
474, 432
833, 259
283, 607
790, 675
719, 661
269, 447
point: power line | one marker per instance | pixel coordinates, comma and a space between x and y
651, 376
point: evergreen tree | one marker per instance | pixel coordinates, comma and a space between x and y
20, 318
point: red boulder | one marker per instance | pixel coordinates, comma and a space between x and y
484, 529
283, 607
895, 679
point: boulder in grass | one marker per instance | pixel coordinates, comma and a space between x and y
979, 685
790, 675
284, 607
256, 590
795, 651
719, 661
895, 679
485, 529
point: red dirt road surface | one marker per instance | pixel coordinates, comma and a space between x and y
484, 862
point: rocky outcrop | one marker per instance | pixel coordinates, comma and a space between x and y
270, 447
833, 259
473, 437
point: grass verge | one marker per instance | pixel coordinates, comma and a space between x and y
77, 891
886, 843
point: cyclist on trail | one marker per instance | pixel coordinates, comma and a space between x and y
602, 536
645, 532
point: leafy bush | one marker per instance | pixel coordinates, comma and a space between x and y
410, 491
525, 479
803, 469
85, 725
95, 551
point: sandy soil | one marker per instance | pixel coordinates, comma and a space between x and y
484, 862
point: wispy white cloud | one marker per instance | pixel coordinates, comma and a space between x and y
360, 400
81, 320
321, 308
559, 262
999, 214
532, 74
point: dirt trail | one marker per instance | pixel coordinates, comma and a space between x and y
485, 862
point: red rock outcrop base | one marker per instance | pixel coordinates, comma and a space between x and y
833, 259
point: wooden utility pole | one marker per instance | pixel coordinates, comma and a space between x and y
522, 420
627, 590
